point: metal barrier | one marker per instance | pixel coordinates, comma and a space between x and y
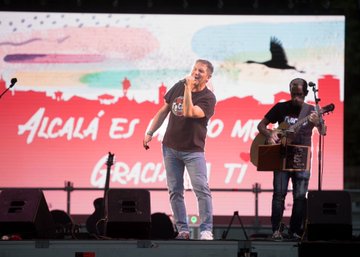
256, 190
69, 188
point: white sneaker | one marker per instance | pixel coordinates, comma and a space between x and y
206, 235
184, 235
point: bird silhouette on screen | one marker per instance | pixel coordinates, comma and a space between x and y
278, 57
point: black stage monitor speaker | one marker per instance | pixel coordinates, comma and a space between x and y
25, 212
329, 215
328, 249
128, 213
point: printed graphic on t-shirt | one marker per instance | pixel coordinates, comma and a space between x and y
177, 106
290, 120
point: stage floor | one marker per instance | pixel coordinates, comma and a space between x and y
175, 248
142, 248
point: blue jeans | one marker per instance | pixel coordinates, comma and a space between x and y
175, 163
300, 181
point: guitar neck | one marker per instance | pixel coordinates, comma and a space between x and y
107, 182
109, 163
299, 123
326, 109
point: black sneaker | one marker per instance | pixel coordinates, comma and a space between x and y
294, 237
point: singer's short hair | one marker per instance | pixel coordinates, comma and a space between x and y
297, 82
208, 64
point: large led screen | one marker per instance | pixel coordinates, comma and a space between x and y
89, 84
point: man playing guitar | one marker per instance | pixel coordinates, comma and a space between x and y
290, 112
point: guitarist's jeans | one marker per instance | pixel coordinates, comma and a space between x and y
195, 163
300, 181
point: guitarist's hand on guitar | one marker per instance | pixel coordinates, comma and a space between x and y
273, 138
314, 118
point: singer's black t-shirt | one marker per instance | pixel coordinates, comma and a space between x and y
188, 134
288, 113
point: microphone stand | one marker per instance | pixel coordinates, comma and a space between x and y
322, 133
13, 81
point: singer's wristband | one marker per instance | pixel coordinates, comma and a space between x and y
150, 133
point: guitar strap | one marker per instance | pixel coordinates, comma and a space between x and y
303, 113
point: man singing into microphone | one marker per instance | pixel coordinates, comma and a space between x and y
190, 104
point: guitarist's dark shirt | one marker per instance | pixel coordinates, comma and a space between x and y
286, 112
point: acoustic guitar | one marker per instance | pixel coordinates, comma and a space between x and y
283, 131
96, 222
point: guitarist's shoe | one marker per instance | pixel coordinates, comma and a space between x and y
277, 236
294, 237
